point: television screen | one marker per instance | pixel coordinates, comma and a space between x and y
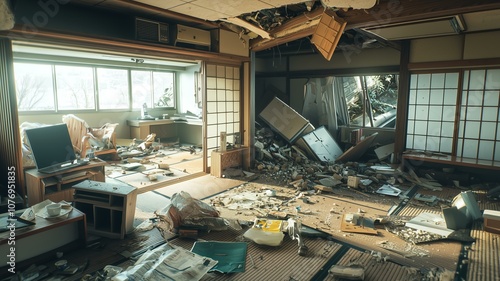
50, 145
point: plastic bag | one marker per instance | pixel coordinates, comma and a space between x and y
184, 208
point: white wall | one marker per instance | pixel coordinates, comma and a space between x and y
186, 91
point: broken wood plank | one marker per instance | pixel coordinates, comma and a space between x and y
355, 152
255, 29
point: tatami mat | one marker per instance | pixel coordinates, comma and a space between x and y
272, 263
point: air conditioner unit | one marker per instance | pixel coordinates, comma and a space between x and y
147, 30
190, 35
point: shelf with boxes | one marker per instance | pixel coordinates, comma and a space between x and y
109, 207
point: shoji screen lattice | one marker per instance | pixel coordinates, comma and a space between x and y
479, 127
222, 104
431, 111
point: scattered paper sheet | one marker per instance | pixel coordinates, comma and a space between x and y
168, 262
390, 190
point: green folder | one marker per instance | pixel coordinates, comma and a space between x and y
231, 256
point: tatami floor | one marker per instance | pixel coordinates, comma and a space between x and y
482, 262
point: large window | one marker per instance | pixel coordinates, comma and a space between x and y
371, 100
77, 86
153, 88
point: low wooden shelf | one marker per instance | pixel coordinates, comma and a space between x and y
59, 186
221, 160
110, 208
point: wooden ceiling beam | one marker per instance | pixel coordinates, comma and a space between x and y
269, 43
389, 12
296, 28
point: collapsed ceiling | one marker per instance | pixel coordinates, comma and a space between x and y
272, 23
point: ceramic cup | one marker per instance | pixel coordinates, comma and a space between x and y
61, 264
53, 209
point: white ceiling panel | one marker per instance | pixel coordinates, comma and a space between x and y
199, 12
235, 7
355, 4
162, 4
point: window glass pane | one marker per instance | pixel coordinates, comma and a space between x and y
112, 85
491, 98
422, 112
419, 142
488, 130
410, 127
423, 97
409, 141
472, 129
445, 145
434, 129
75, 87
451, 80
424, 81
477, 79
447, 129
437, 80
421, 127
450, 97
34, 88
435, 112
475, 98
474, 113
141, 88
413, 81
436, 97
432, 144
486, 150
413, 97
164, 92
449, 113
490, 113
411, 112
492, 81
470, 148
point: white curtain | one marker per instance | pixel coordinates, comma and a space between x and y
325, 104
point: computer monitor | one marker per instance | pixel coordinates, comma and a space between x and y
51, 145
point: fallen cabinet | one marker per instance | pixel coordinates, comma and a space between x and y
320, 145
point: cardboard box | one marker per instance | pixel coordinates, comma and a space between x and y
491, 221
353, 181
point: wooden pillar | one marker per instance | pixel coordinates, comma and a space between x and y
10, 139
403, 93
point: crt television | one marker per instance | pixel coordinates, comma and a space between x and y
51, 145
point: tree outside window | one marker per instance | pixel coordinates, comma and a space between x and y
372, 100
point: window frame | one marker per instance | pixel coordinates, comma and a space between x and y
53, 62
366, 97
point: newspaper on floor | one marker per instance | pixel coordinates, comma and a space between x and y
167, 262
